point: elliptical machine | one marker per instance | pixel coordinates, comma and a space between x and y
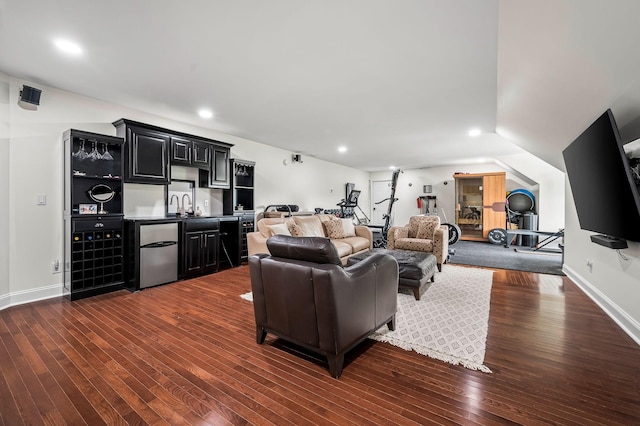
351, 203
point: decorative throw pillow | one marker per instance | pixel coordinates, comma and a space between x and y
296, 230
349, 228
425, 231
335, 230
311, 226
279, 229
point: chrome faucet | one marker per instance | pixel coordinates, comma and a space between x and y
184, 209
179, 210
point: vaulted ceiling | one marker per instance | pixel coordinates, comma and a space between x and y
396, 82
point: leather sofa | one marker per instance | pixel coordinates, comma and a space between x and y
302, 293
358, 241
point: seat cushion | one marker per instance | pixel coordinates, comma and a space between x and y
343, 248
357, 243
415, 244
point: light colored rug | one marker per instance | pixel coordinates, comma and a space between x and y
449, 322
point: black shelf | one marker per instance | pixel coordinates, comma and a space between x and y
93, 242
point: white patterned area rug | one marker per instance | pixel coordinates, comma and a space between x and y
449, 322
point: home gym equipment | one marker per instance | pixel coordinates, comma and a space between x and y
348, 206
382, 241
520, 208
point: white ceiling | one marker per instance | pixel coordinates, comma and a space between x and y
397, 82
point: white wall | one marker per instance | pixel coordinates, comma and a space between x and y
31, 163
613, 281
4, 190
550, 195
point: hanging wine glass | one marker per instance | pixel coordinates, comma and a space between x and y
81, 154
106, 155
94, 154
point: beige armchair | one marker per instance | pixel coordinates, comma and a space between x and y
423, 233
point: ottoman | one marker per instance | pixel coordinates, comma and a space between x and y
415, 268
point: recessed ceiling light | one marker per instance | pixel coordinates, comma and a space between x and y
205, 113
68, 46
392, 167
474, 132
342, 149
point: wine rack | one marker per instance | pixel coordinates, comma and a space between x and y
97, 260
93, 233
246, 226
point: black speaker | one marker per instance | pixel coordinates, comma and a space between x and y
30, 95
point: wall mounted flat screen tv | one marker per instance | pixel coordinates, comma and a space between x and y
604, 192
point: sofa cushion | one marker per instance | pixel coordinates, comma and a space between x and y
263, 225
349, 228
343, 248
311, 226
296, 230
334, 229
279, 229
357, 243
310, 249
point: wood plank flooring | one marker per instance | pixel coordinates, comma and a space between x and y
185, 353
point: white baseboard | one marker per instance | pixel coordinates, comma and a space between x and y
31, 295
628, 324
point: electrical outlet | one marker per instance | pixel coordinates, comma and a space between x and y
206, 202
55, 267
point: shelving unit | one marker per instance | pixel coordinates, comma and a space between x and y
238, 200
93, 260
239, 197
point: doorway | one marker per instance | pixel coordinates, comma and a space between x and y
380, 189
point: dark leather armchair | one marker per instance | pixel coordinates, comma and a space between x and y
303, 294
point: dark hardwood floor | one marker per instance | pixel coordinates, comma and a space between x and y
185, 353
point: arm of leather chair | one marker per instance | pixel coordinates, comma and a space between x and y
354, 301
256, 243
394, 233
257, 288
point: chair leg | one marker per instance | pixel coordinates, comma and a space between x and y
261, 334
416, 293
391, 324
336, 362
439, 267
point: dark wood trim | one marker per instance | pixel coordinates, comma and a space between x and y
185, 353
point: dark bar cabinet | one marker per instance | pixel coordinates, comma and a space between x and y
93, 214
